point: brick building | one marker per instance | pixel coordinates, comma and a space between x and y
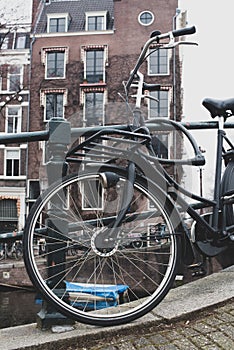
15, 29
81, 51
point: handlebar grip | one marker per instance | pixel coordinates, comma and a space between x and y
184, 31
151, 87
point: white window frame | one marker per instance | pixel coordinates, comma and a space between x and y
102, 120
43, 95
16, 129
96, 14
145, 24
150, 73
85, 67
64, 64
168, 104
50, 16
20, 41
21, 74
12, 149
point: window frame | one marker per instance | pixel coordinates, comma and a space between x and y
16, 128
96, 14
57, 106
20, 38
101, 120
95, 66
58, 16
159, 57
56, 52
45, 92
6, 158
20, 74
145, 12
159, 108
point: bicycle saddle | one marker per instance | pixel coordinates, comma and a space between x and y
224, 108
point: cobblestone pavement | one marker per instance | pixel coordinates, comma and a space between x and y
209, 330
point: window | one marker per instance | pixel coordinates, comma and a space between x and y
13, 120
94, 108
159, 108
54, 106
160, 145
94, 65
58, 23
55, 64
15, 78
34, 189
14, 40
8, 215
158, 62
33, 192
92, 195
96, 21
21, 41
146, 18
12, 162
4, 42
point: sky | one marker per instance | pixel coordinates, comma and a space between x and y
208, 70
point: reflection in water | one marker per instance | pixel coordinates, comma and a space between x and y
17, 308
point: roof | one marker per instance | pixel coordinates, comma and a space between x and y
76, 10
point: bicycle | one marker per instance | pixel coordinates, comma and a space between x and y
11, 250
122, 194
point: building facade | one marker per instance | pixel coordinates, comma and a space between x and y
80, 52
14, 114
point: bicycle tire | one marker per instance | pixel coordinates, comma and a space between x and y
227, 188
147, 273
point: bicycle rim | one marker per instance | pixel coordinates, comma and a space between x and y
102, 284
227, 186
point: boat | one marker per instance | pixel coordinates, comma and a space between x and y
88, 296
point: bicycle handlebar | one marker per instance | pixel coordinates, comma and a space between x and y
184, 31
156, 37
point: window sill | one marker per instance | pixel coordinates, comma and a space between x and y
21, 177
85, 84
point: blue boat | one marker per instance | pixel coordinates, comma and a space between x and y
88, 297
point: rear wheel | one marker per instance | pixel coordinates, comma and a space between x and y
227, 190
108, 281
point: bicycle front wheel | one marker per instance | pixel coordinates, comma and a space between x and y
116, 275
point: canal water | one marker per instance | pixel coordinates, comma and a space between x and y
17, 308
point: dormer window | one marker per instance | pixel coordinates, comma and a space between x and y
58, 23
96, 21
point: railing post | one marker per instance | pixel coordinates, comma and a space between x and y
59, 139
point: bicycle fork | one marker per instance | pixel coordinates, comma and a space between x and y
107, 239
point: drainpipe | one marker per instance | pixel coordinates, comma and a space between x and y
178, 11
